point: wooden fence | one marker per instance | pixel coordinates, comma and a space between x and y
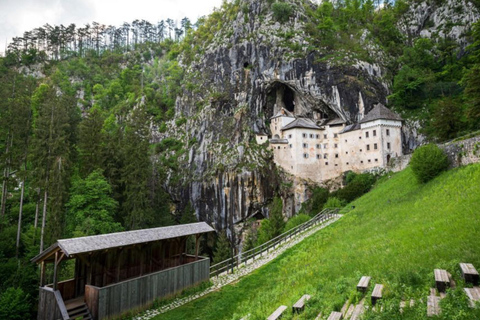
120, 297
250, 255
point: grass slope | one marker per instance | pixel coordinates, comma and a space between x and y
398, 233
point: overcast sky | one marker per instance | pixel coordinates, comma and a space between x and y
18, 16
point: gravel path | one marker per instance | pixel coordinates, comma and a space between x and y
227, 278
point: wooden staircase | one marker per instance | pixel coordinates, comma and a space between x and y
78, 309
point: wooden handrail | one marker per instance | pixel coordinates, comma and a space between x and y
243, 257
61, 305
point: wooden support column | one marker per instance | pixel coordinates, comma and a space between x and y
119, 260
42, 274
89, 271
55, 271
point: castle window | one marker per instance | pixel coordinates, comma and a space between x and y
361, 161
335, 135
369, 160
305, 145
278, 147
374, 133
345, 140
325, 146
291, 146
336, 145
346, 152
368, 147
305, 155
304, 135
324, 136
348, 163
317, 146
289, 136
388, 132
375, 146
366, 134
376, 160
336, 155
336, 165
325, 156
326, 163
361, 150
311, 136
388, 145
319, 156
360, 138
317, 136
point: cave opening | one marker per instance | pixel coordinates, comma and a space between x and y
288, 99
246, 64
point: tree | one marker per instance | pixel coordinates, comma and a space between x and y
428, 161
282, 11
447, 118
90, 141
274, 225
472, 91
91, 208
223, 248
14, 304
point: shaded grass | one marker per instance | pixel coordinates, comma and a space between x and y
398, 233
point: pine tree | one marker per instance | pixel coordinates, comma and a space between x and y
223, 249
90, 141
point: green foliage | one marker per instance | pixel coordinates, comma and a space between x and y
223, 248
428, 161
334, 203
91, 208
14, 304
315, 204
274, 225
296, 221
358, 186
447, 119
282, 11
393, 235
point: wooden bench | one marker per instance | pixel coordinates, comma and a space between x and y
335, 315
278, 313
473, 294
433, 306
377, 293
299, 306
469, 273
362, 286
441, 280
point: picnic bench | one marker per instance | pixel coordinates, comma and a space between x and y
335, 315
362, 285
357, 312
473, 294
469, 273
278, 313
442, 280
377, 293
299, 306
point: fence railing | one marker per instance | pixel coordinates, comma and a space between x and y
244, 257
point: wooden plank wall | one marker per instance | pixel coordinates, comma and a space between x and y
121, 297
47, 305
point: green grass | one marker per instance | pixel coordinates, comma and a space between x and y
398, 233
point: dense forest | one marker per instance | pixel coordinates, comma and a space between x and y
79, 106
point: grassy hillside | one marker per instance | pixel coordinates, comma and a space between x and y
398, 234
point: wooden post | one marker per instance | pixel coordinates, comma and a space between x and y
55, 271
42, 274
119, 260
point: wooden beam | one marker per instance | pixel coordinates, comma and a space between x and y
197, 245
60, 258
42, 273
55, 272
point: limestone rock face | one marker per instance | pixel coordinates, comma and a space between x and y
252, 68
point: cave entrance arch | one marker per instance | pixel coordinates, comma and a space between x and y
279, 96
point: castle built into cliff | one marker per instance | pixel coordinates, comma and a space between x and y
322, 150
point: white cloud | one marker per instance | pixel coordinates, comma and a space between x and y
18, 16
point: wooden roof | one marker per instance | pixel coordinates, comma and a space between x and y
121, 239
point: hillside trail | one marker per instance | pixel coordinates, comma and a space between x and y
228, 278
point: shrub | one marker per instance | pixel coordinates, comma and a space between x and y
14, 304
282, 11
223, 248
427, 162
333, 203
315, 204
358, 186
296, 221
274, 225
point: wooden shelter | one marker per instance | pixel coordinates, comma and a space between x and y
120, 271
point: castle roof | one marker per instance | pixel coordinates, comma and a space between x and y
335, 122
381, 112
351, 127
283, 113
301, 123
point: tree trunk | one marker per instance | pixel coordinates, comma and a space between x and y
20, 213
44, 217
6, 173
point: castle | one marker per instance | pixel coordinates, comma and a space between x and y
322, 150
